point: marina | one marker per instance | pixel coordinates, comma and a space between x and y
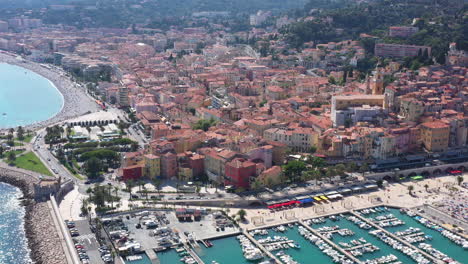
296, 244
430, 234
374, 249
172, 256
137, 259
228, 250
353, 237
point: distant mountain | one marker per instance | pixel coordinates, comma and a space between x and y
12, 4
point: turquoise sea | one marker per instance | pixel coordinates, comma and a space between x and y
26, 97
13, 244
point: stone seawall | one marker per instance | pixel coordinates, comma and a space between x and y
42, 236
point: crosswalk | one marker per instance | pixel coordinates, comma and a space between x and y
88, 239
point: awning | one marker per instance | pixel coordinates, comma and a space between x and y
317, 199
307, 200
416, 178
371, 186
298, 198
335, 196
331, 193
357, 188
344, 191
323, 197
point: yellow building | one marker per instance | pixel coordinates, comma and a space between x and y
152, 166
271, 177
185, 174
377, 83
435, 136
343, 102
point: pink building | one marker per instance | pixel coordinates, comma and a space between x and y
238, 173
168, 165
264, 153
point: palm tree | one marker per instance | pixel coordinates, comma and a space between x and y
364, 168
459, 179
426, 186
157, 184
129, 187
146, 192
242, 213
410, 189
109, 188
116, 192
140, 185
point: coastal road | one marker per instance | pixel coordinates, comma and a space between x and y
40, 148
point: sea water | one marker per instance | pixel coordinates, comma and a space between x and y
13, 243
26, 97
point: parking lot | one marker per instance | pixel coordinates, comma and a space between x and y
160, 229
87, 239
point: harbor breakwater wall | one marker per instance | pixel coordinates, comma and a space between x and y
42, 235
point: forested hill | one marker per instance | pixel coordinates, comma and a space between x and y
123, 13
442, 21
166, 7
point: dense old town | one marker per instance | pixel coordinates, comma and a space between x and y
259, 118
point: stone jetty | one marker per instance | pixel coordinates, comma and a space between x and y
42, 235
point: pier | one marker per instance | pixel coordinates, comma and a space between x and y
193, 254
262, 248
413, 235
395, 237
344, 252
152, 256
359, 246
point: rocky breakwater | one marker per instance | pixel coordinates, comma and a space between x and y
43, 238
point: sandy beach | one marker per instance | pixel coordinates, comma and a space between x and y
76, 101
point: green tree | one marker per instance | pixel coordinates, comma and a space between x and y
293, 169
459, 179
92, 167
11, 156
312, 149
426, 186
157, 185
130, 184
204, 124
331, 172
134, 146
61, 155
410, 189
242, 214
351, 167
316, 162
1, 151
364, 168
380, 183
20, 133
340, 169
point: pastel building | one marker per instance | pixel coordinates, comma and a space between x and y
239, 172
435, 136
168, 165
152, 166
